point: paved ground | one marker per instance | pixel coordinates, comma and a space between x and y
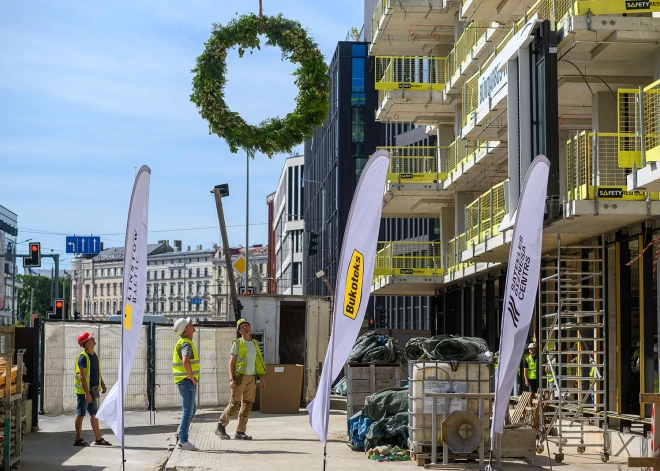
51, 448
281, 443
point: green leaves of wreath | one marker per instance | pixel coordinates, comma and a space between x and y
274, 135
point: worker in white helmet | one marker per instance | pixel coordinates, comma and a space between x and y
185, 370
530, 370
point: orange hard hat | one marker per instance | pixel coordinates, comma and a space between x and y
84, 337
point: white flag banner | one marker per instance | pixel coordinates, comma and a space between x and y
133, 298
522, 279
353, 287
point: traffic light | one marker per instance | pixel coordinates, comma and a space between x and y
59, 308
313, 244
34, 257
372, 325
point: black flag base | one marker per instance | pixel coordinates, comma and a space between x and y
325, 455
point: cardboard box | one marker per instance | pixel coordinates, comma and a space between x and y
283, 389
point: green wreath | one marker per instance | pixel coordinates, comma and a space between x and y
274, 135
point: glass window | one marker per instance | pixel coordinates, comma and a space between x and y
357, 82
171, 307
358, 50
206, 271
357, 125
162, 307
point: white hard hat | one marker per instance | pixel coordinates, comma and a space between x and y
181, 324
531, 345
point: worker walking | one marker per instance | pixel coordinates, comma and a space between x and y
88, 384
185, 369
246, 366
531, 381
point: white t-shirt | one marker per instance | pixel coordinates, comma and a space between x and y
251, 357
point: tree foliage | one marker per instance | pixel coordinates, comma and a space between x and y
274, 135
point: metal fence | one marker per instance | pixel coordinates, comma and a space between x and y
410, 73
409, 258
416, 163
150, 384
485, 214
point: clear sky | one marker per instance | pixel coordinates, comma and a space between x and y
91, 90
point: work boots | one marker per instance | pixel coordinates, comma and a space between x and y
221, 432
242, 436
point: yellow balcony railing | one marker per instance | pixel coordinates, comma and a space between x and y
602, 176
651, 122
484, 215
460, 151
409, 259
455, 248
473, 35
410, 73
416, 163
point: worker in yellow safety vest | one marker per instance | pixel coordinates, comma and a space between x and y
246, 366
185, 370
88, 385
530, 369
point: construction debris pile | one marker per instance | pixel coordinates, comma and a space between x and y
445, 348
376, 347
383, 421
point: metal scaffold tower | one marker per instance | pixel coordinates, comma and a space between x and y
572, 345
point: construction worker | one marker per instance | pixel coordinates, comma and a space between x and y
635, 360
529, 372
246, 365
88, 385
185, 369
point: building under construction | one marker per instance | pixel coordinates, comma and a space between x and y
498, 83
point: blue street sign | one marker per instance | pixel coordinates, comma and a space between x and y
82, 244
195, 300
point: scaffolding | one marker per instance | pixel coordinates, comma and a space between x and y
572, 341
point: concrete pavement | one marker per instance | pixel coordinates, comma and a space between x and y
281, 443
52, 448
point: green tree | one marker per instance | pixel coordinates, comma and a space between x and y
41, 302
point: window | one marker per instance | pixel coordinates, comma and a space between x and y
358, 50
148, 275
114, 307
171, 273
206, 288
108, 308
148, 307
148, 291
162, 274
197, 307
179, 273
102, 289
206, 271
199, 289
155, 275
198, 272
87, 290
178, 305
162, 289
190, 288
171, 307
206, 307
357, 82
190, 273
296, 273
172, 289
162, 307
180, 288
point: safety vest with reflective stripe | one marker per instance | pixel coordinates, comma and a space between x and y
531, 367
240, 367
77, 380
178, 370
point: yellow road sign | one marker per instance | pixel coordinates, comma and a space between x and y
239, 265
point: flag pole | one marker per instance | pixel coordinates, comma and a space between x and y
121, 388
327, 421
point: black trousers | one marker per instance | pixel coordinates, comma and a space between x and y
533, 385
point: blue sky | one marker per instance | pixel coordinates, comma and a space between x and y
91, 90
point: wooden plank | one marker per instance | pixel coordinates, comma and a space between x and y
643, 462
649, 398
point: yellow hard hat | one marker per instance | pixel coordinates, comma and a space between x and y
241, 321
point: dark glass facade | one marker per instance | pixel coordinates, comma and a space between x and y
335, 157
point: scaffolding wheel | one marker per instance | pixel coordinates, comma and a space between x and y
604, 457
559, 457
540, 449
580, 450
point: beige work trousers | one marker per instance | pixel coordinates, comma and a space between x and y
241, 401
